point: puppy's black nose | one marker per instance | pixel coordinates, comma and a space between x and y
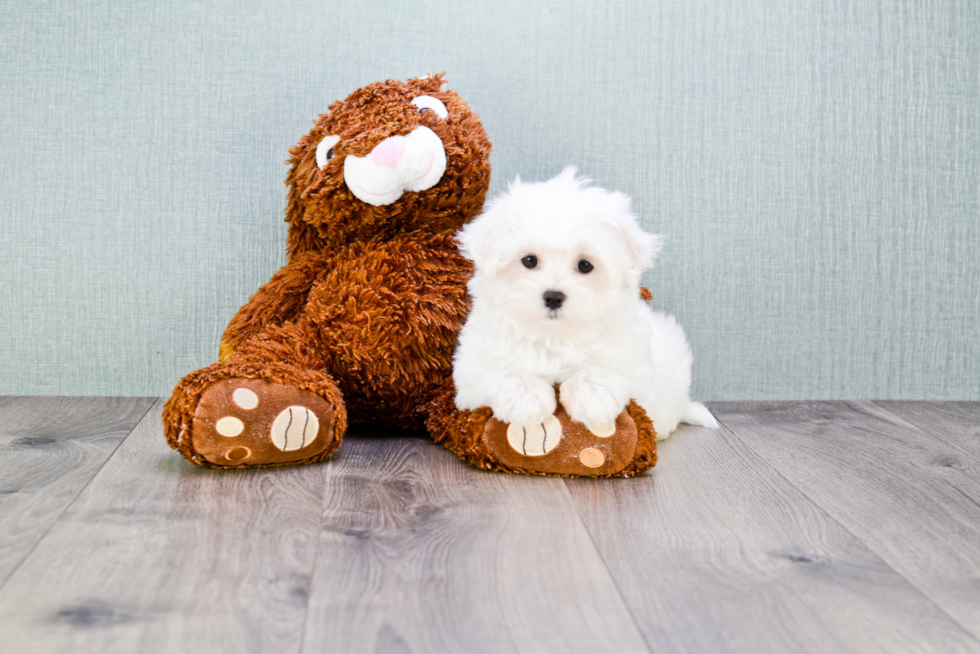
553, 299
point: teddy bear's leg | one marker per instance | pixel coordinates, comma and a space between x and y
559, 446
269, 404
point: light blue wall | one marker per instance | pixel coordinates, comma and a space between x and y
814, 165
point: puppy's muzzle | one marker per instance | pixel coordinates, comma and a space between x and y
553, 299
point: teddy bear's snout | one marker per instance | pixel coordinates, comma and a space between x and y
413, 162
389, 152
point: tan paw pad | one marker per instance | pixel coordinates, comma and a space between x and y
294, 428
238, 454
535, 440
605, 431
229, 426
245, 398
591, 457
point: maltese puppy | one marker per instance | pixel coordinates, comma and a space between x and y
556, 301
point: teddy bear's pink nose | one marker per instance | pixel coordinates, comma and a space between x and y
388, 152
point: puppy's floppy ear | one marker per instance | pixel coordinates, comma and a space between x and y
479, 242
641, 247
484, 239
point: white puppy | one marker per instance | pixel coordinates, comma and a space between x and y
556, 301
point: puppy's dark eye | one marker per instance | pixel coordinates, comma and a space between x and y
530, 261
330, 154
584, 267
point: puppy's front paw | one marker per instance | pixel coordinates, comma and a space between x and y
524, 401
594, 403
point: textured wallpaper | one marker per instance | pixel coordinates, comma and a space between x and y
814, 165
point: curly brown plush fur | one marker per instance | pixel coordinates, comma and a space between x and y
364, 315
322, 211
366, 312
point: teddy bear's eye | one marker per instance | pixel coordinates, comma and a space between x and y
428, 103
584, 267
325, 151
530, 261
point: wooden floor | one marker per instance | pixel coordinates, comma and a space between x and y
796, 527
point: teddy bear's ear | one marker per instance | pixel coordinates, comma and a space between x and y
438, 82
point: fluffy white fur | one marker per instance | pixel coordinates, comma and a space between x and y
602, 346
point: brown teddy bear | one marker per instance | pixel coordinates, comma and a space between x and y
360, 325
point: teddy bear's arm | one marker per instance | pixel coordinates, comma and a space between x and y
276, 302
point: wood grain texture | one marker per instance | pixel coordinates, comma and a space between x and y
50, 447
157, 556
912, 499
825, 527
421, 553
955, 423
716, 552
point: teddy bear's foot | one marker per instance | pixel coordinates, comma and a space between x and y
558, 446
562, 446
250, 422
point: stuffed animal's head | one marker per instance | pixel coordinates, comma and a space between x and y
391, 158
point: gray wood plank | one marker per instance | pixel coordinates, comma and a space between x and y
716, 552
158, 556
954, 423
884, 480
50, 447
422, 553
